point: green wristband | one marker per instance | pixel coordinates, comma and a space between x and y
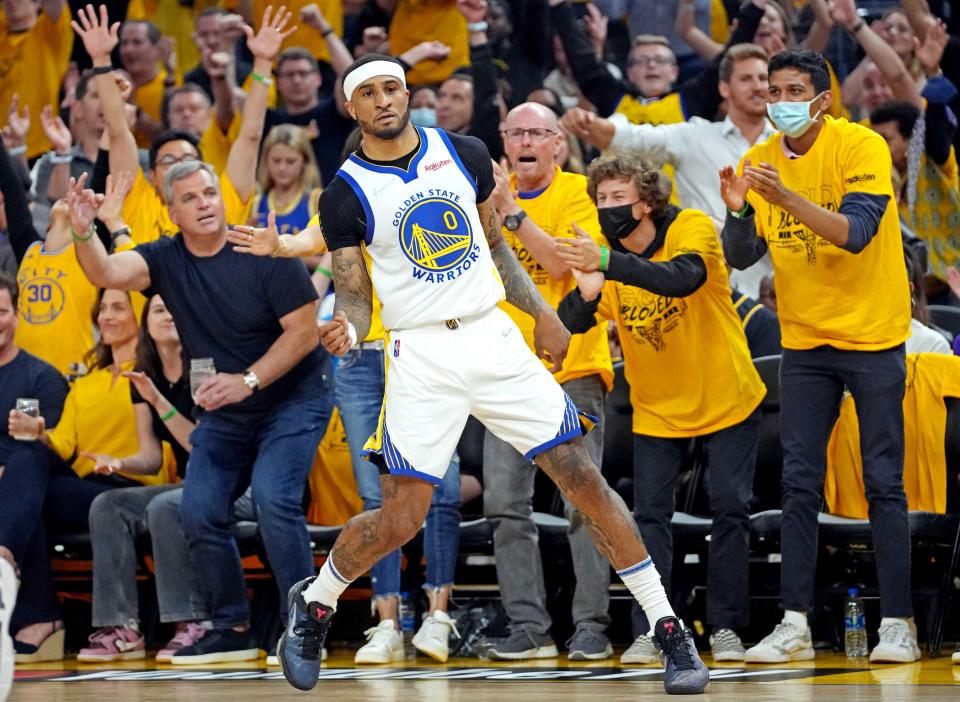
77, 237
168, 415
324, 271
604, 258
743, 212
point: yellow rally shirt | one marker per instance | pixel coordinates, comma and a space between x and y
416, 21
930, 378
56, 300
98, 417
307, 37
554, 210
686, 359
148, 218
827, 295
32, 64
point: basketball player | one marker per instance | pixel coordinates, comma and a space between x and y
418, 200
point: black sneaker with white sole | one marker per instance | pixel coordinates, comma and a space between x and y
301, 645
218, 646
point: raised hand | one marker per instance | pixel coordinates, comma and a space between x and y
83, 206
844, 13
734, 188
312, 16
427, 51
334, 334
144, 385
581, 253
374, 41
266, 43
595, 23
930, 51
111, 208
577, 121
473, 10
56, 131
263, 241
953, 280
18, 124
503, 200
764, 179
98, 35
168, 53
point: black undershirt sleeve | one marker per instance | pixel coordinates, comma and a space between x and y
576, 314
679, 277
341, 216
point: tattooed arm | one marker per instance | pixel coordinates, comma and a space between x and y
550, 337
354, 302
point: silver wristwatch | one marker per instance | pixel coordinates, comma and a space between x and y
251, 380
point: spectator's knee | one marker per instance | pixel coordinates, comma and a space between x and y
103, 513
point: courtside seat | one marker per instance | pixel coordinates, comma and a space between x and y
924, 526
322, 538
690, 526
476, 535
765, 525
552, 529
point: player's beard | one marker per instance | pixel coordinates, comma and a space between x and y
390, 132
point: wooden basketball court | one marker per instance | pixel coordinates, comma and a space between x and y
829, 677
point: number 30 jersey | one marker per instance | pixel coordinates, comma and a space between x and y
430, 257
55, 305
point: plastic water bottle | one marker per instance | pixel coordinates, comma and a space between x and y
855, 636
408, 623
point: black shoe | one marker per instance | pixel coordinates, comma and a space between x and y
685, 673
301, 644
218, 646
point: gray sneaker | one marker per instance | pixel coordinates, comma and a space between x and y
642, 651
725, 645
520, 646
588, 645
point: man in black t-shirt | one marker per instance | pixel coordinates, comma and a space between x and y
264, 411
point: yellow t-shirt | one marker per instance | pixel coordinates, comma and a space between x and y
686, 359
377, 331
149, 98
333, 489
307, 37
32, 64
215, 145
554, 210
930, 378
935, 217
56, 300
719, 22
148, 218
825, 294
98, 417
416, 21
176, 20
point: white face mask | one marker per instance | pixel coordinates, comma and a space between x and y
793, 118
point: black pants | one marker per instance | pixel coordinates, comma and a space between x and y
811, 388
39, 491
732, 459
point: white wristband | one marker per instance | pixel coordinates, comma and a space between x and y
352, 333
477, 26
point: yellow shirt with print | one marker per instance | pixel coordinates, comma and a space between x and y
931, 377
32, 64
416, 21
148, 218
827, 295
686, 359
54, 309
98, 417
554, 210
377, 332
307, 37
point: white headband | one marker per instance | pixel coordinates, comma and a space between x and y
367, 71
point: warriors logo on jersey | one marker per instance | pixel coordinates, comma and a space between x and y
435, 234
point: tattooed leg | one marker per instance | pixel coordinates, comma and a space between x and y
610, 523
370, 536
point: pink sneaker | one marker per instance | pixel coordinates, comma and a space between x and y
188, 633
113, 643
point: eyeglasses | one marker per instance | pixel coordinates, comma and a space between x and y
652, 60
536, 134
168, 160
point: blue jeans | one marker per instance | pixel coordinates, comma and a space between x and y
359, 385
273, 454
811, 387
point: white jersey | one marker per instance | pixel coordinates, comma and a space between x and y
430, 257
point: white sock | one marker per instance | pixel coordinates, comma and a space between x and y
327, 586
798, 619
643, 581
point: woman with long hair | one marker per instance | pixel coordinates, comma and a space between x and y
51, 483
289, 180
160, 393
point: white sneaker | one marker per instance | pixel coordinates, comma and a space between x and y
433, 638
787, 642
8, 598
273, 661
725, 645
384, 644
898, 642
642, 651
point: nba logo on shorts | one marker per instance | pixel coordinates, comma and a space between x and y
396, 348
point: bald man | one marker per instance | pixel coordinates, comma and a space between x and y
538, 203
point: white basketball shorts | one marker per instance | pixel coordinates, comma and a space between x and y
439, 375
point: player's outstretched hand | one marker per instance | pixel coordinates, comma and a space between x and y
551, 339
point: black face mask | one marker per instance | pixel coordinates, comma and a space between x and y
617, 222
